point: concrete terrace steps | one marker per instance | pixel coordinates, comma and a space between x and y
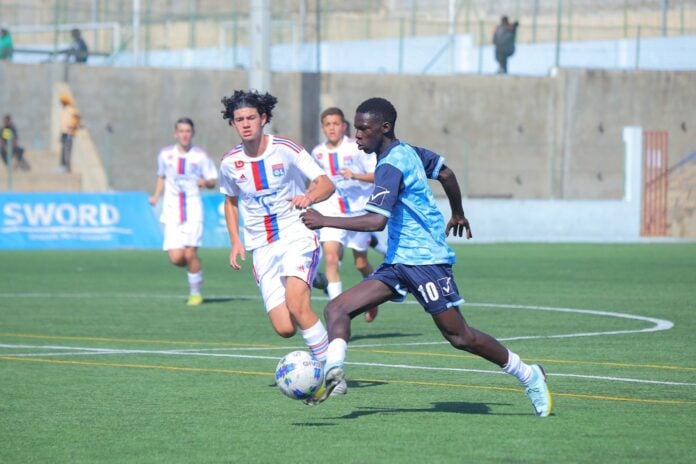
42, 177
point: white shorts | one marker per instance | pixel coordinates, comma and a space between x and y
298, 257
359, 241
179, 236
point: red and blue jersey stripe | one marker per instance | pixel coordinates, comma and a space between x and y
181, 169
270, 223
258, 170
288, 143
343, 204
333, 163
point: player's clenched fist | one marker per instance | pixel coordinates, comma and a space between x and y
312, 219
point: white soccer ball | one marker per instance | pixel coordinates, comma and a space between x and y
298, 375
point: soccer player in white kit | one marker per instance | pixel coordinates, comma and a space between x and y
265, 179
352, 171
182, 171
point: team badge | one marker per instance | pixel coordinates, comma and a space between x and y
278, 170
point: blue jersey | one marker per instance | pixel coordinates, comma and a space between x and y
402, 194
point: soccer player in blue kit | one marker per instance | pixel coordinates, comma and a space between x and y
418, 259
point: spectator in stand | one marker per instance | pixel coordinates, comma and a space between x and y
9, 138
504, 42
69, 123
6, 45
78, 51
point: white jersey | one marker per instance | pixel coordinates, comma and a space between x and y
181, 171
264, 185
351, 195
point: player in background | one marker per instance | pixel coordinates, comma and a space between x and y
182, 171
418, 259
352, 171
265, 180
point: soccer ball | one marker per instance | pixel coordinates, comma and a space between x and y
298, 375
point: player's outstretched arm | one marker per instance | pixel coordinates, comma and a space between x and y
317, 191
458, 224
368, 222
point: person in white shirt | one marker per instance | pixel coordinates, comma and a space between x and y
182, 171
352, 171
265, 180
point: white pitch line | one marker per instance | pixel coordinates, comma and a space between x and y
86, 351
658, 324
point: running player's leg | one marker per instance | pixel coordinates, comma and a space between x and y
333, 253
435, 289
193, 238
338, 315
362, 264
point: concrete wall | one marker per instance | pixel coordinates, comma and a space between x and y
505, 136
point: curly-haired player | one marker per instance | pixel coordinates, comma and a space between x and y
265, 178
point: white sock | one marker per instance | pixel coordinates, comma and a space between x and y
195, 280
336, 354
334, 289
515, 366
317, 339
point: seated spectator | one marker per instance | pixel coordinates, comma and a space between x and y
8, 135
6, 45
78, 51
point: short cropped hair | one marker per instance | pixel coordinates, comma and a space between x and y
333, 111
184, 120
264, 103
380, 107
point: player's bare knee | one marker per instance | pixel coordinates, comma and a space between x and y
362, 268
465, 341
285, 332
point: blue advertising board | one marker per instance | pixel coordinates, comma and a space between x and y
95, 221
77, 221
214, 226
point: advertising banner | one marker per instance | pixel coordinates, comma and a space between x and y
214, 227
78, 221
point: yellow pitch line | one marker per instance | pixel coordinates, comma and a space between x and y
559, 361
131, 340
137, 366
400, 382
510, 389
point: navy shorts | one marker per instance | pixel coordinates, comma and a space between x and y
432, 285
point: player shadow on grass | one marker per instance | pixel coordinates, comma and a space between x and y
226, 299
456, 407
452, 407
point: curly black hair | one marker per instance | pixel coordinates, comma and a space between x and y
264, 103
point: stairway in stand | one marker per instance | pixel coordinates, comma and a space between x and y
42, 177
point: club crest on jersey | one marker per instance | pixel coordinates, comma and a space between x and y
238, 164
348, 160
278, 170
